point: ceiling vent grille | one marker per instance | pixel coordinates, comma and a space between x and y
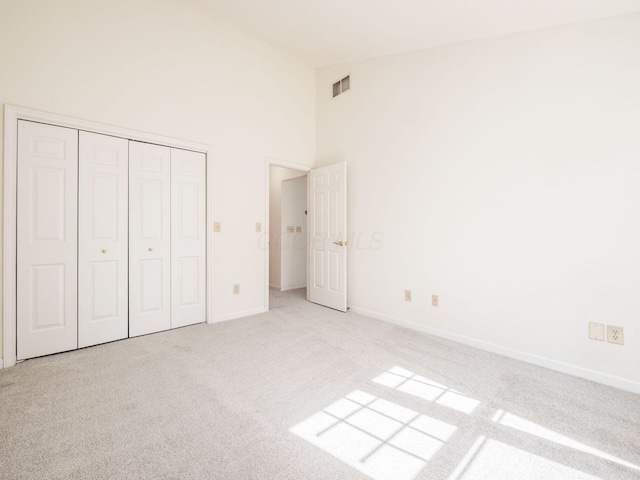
341, 86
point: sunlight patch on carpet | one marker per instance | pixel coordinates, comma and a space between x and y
379, 438
489, 458
403, 380
523, 425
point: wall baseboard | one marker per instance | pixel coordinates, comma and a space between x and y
293, 287
236, 315
599, 377
275, 287
1, 363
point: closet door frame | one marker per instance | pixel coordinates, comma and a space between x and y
14, 113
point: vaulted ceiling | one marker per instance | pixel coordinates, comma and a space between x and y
326, 32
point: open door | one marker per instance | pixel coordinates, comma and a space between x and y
328, 236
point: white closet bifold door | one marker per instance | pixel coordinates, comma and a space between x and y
149, 238
188, 231
103, 242
47, 239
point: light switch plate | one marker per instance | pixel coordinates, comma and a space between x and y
298, 229
258, 227
434, 300
290, 229
217, 227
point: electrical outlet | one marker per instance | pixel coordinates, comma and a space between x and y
434, 300
298, 229
596, 331
407, 295
258, 227
217, 227
615, 334
236, 288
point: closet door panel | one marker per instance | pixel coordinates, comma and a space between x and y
102, 239
46, 239
188, 231
149, 238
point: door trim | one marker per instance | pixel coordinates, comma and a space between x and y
274, 162
12, 114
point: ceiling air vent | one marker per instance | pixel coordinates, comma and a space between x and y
341, 86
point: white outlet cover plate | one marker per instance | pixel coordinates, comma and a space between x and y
596, 331
615, 334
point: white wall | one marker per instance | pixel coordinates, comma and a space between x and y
294, 245
504, 176
168, 67
276, 176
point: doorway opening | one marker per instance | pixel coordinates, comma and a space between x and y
288, 230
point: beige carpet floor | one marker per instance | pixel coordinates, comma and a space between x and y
304, 392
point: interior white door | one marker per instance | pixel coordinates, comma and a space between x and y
149, 238
328, 236
47, 239
188, 234
103, 242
